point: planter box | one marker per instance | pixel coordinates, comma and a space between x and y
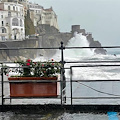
32, 89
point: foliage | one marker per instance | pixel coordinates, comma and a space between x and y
38, 69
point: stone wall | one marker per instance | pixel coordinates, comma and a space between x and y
14, 54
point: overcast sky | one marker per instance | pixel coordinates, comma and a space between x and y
100, 17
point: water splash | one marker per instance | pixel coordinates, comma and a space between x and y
78, 40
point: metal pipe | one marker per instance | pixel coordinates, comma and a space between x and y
18, 48
2, 86
71, 82
26, 48
92, 61
63, 85
95, 97
95, 65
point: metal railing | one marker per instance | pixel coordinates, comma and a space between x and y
62, 80
81, 82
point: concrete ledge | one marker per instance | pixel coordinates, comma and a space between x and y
73, 108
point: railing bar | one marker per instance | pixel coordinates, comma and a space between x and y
31, 97
17, 63
21, 67
26, 48
63, 89
95, 80
32, 81
95, 65
71, 62
2, 86
89, 61
92, 47
71, 84
15, 81
18, 48
95, 97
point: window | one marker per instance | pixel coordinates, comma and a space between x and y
21, 23
1, 16
3, 37
2, 23
13, 8
3, 30
9, 14
8, 7
15, 22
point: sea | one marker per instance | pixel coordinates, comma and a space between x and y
83, 70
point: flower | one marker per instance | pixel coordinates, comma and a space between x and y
28, 60
28, 64
29, 68
48, 68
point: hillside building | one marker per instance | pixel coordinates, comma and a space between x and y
12, 16
11, 21
41, 16
23, 2
35, 11
49, 17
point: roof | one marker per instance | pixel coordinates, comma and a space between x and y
49, 9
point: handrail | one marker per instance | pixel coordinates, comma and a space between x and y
18, 48
81, 81
62, 80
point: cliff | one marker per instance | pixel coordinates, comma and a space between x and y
51, 37
92, 42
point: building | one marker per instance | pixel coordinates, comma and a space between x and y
12, 16
11, 21
49, 17
39, 15
35, 12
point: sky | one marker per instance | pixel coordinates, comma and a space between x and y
99, 17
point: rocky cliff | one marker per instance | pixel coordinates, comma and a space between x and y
51, 37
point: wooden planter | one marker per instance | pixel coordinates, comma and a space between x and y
32, 89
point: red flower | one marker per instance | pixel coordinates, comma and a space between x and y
44, 71
28, 60
52, 59
42, 65
7, 75
52, 63
28, 64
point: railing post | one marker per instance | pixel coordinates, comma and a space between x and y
2, 86
71, 83
63, 81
